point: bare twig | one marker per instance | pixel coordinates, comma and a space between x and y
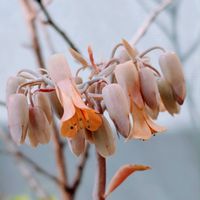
50, 21
150, 19
24, 169
79, 170
30, 16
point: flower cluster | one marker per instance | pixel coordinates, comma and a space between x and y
128, 88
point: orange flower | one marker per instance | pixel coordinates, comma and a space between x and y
76, 114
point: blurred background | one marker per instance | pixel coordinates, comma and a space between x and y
173, 155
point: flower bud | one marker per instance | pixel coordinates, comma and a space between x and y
167, 97
39, 129
149, 89
127, 76
104, 139
173, 73
77, 144
42, 101
18, 117
117, 105
13, 83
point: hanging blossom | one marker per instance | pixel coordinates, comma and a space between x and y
128, 88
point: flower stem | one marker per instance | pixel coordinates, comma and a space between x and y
101, 178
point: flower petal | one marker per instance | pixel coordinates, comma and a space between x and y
55, 103
12, 85
58, 68
39, 128
118, 107
18, 117
42, 101
149, 88
104, 139
167, 97
122, 174
173, 72
127, 76
77, 144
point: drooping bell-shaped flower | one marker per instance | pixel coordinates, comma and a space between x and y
18, 116
104, 140
143, 127
38, 126
42, 101
55, 103
127, 76
173, 72
77, 144
76, 114
117, 106
167, 97
149, 89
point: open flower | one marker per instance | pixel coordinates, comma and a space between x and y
127, 76
76, 114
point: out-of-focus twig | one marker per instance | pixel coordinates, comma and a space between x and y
79, 170
162, 27
150, 19
52, 23
33, 164
34, 184
30, 16
2, 103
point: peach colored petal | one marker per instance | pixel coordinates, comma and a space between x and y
77, 144
149, 88
140, 129
104, 140
127, 76
69, 127
58, 68
42, 101
38, 127
117, 106
92, 120
18, 117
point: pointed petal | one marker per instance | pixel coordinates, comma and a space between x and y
18, 117
39, 129
42, 101
167, 97
173, 72
117, 106
149, 88
122, 174
104, 139
132, 52
127, 76
77, 144
58, 68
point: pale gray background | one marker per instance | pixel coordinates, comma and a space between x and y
174, 156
